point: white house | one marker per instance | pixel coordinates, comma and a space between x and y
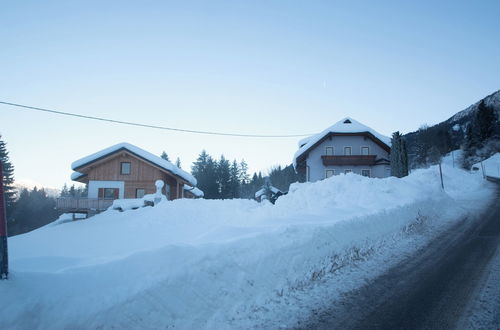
347, 146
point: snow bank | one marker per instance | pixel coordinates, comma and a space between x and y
489, 167
219, 264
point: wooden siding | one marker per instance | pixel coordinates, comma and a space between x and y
142, 174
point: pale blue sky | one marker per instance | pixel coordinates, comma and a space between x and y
261, 67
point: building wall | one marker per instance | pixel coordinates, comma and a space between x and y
93, 187
142, 176
317, 169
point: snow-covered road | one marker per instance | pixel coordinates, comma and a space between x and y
445, 285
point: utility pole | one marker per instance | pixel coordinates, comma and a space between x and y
4, 260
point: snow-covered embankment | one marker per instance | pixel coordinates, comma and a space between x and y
216, 264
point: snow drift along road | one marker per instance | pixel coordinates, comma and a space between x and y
213, 263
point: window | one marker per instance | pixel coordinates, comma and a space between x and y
329, 173
365, 173
365, 151
108, 193
329, 151
347, 151
347, 171
139, 193
125, 168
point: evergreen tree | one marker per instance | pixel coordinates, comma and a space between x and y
64, 191
223, 176
404, 158
244, 177
486, 119
471, 144
204, 170
178, 162
33, 210
165, 156
234, 180
283, 177
8, 179
72, 191
399, 157
422, 146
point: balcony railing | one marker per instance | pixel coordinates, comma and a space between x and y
69, 204
349, 160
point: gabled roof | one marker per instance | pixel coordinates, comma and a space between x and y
141, 153
348, 126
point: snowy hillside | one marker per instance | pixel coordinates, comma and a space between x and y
224, 263
492, 100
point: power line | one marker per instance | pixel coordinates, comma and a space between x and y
150, 126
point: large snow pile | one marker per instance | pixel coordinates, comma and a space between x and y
220, 264
489, 167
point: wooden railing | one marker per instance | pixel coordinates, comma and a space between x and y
69, 204
349, 160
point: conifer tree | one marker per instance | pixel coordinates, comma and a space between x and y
399, 156
422, 146
64, 191
165, 156
178, 162
234, 180
204, 170
8, 179
72, 191
223, 177
486, 119
244, 177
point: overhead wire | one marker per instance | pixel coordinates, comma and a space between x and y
175, 129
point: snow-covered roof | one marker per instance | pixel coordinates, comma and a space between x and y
76, 175
195, 191
158, 161
263, 190
346, 125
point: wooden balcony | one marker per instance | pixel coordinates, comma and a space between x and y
366, 160
82, 205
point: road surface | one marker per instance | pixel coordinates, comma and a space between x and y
430, 290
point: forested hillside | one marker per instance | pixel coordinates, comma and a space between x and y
475, 130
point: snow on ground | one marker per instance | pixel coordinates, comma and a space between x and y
490, 166
228, 263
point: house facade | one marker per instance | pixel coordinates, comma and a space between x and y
345, 147
126, 171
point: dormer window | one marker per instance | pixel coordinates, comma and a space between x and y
347, 121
